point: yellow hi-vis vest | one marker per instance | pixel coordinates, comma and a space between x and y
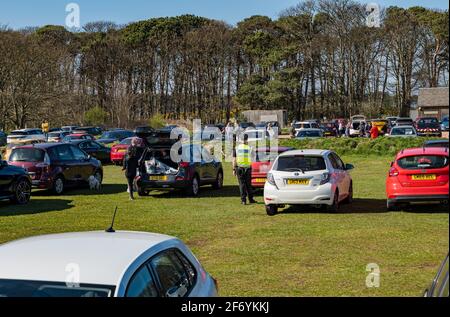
244, 156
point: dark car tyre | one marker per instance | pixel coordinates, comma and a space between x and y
218, 184
335, 207
194, 187
58, 185
349, 198
22, 193
142, 192
271, 210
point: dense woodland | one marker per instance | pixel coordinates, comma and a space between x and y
318, 59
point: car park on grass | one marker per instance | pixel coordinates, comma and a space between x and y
265, 156
418, 175
356, 123
69, 128
111, 264
301, 125
15, 184
56, 166
329, 129
381, 124
26, 134
308, 177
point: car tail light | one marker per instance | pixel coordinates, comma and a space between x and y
271, 179
393, 172
326, 177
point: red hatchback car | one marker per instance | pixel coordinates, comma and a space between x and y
418, 175
263, 164
119, 151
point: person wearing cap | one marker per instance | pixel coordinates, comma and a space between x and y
242, 168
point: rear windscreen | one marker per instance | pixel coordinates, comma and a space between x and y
424, 123
27, 155
403, 131
309, 134
300, 164
423, 162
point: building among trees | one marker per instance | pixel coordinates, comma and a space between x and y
433, 102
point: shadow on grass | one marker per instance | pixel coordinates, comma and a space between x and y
107, 189
34, 207
205, 192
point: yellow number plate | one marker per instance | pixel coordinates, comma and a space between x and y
303, 182
424, 177
260, 180
158, 178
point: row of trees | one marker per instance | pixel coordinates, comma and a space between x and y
319, 59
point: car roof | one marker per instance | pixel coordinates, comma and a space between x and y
101, 257
41, 146
423, 151
403, 127
436, 141
305, 152
26, 130
311, 129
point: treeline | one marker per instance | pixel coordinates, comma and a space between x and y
319, 59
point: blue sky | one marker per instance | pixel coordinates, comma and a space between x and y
21, 13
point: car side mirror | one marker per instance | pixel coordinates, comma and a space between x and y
349, 167
392, 164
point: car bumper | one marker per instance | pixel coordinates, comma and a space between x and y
322, 195
429, 134
42, 184
418, 198
160, 185
117, 157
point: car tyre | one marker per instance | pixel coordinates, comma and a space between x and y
194, 187
271, 210
22, 192
334, 208
218, 184
58, 185
143, 192
349, 198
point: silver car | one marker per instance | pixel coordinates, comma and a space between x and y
102, 264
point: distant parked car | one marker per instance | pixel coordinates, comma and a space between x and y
95, 131
265, 156
78, 136
439, 286
298, 126
403, 132
26, 134
356, 124
119, 151
444, 124
57, 136
15, 184
329, 129
3, 138
309, 134
94, 149
418, 175
404, 121
257, 136
56, 166
246, 125
110, 137
428, 127
436, 143
69, 128
112, 264
392, 121
308, 177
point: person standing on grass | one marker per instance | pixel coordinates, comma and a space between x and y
131, 163
242, 168
374, 132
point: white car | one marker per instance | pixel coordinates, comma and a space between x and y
102, 264
356, 123
403, 132
26, 134
308, 177
298, 126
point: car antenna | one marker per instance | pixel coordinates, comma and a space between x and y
111, 229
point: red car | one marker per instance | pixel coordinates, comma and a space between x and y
418, 175
119, 151
263, 164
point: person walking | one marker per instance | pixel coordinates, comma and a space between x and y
347, 129
45, 127
341, 128
229, 130
131, 163
242, 162
374, 132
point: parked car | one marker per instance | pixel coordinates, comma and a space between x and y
110, 137
418, 175
69, 128
298, 126
11, 146
15, 184
265, 156
57, 136
404, 121
3, 138
246, 125
329, 129
119, 151
308, 177
392, 121
94, 149
56, 166
428, 127
436, 143
403, 132
309, 134
356, 123
95, 131
257, 136
137, 265
26, 134
439, 286
444, 124
78, 136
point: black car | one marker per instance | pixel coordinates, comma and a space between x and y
439, 286
2, 138
94, 149
15, 184
194, 168
95, 131
110, 137
429, 127
436, 143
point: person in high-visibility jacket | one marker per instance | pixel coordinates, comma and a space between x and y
242, 163
45, 127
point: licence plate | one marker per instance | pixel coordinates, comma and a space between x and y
121, 151
260, 180
303, 182
159, 178
424, 177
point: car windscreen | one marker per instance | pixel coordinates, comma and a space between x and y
423, 162
126, 141
302, 126
19, 133
27, 155
54, 134
405, 122
403, 131
428, 123
309, 134
300, 163
20, 288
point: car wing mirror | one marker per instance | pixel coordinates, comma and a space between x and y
349, 167
392, 164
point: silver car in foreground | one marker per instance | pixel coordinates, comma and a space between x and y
102, 264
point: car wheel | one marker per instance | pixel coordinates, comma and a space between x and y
22, 192
58, 185
335, 207
194, 188
143, 193
218, 184
271, 210
349, 198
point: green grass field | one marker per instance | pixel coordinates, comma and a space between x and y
300, 252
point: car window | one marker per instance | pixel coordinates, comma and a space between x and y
206, 155
27, 155
77, 153
333, 161
340, 165
300, 163
189, 268
172, 275
62, 153
142, 284
423, 162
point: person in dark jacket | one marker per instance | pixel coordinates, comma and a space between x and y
131, 163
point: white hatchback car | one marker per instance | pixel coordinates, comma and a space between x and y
308, 177
102, 264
